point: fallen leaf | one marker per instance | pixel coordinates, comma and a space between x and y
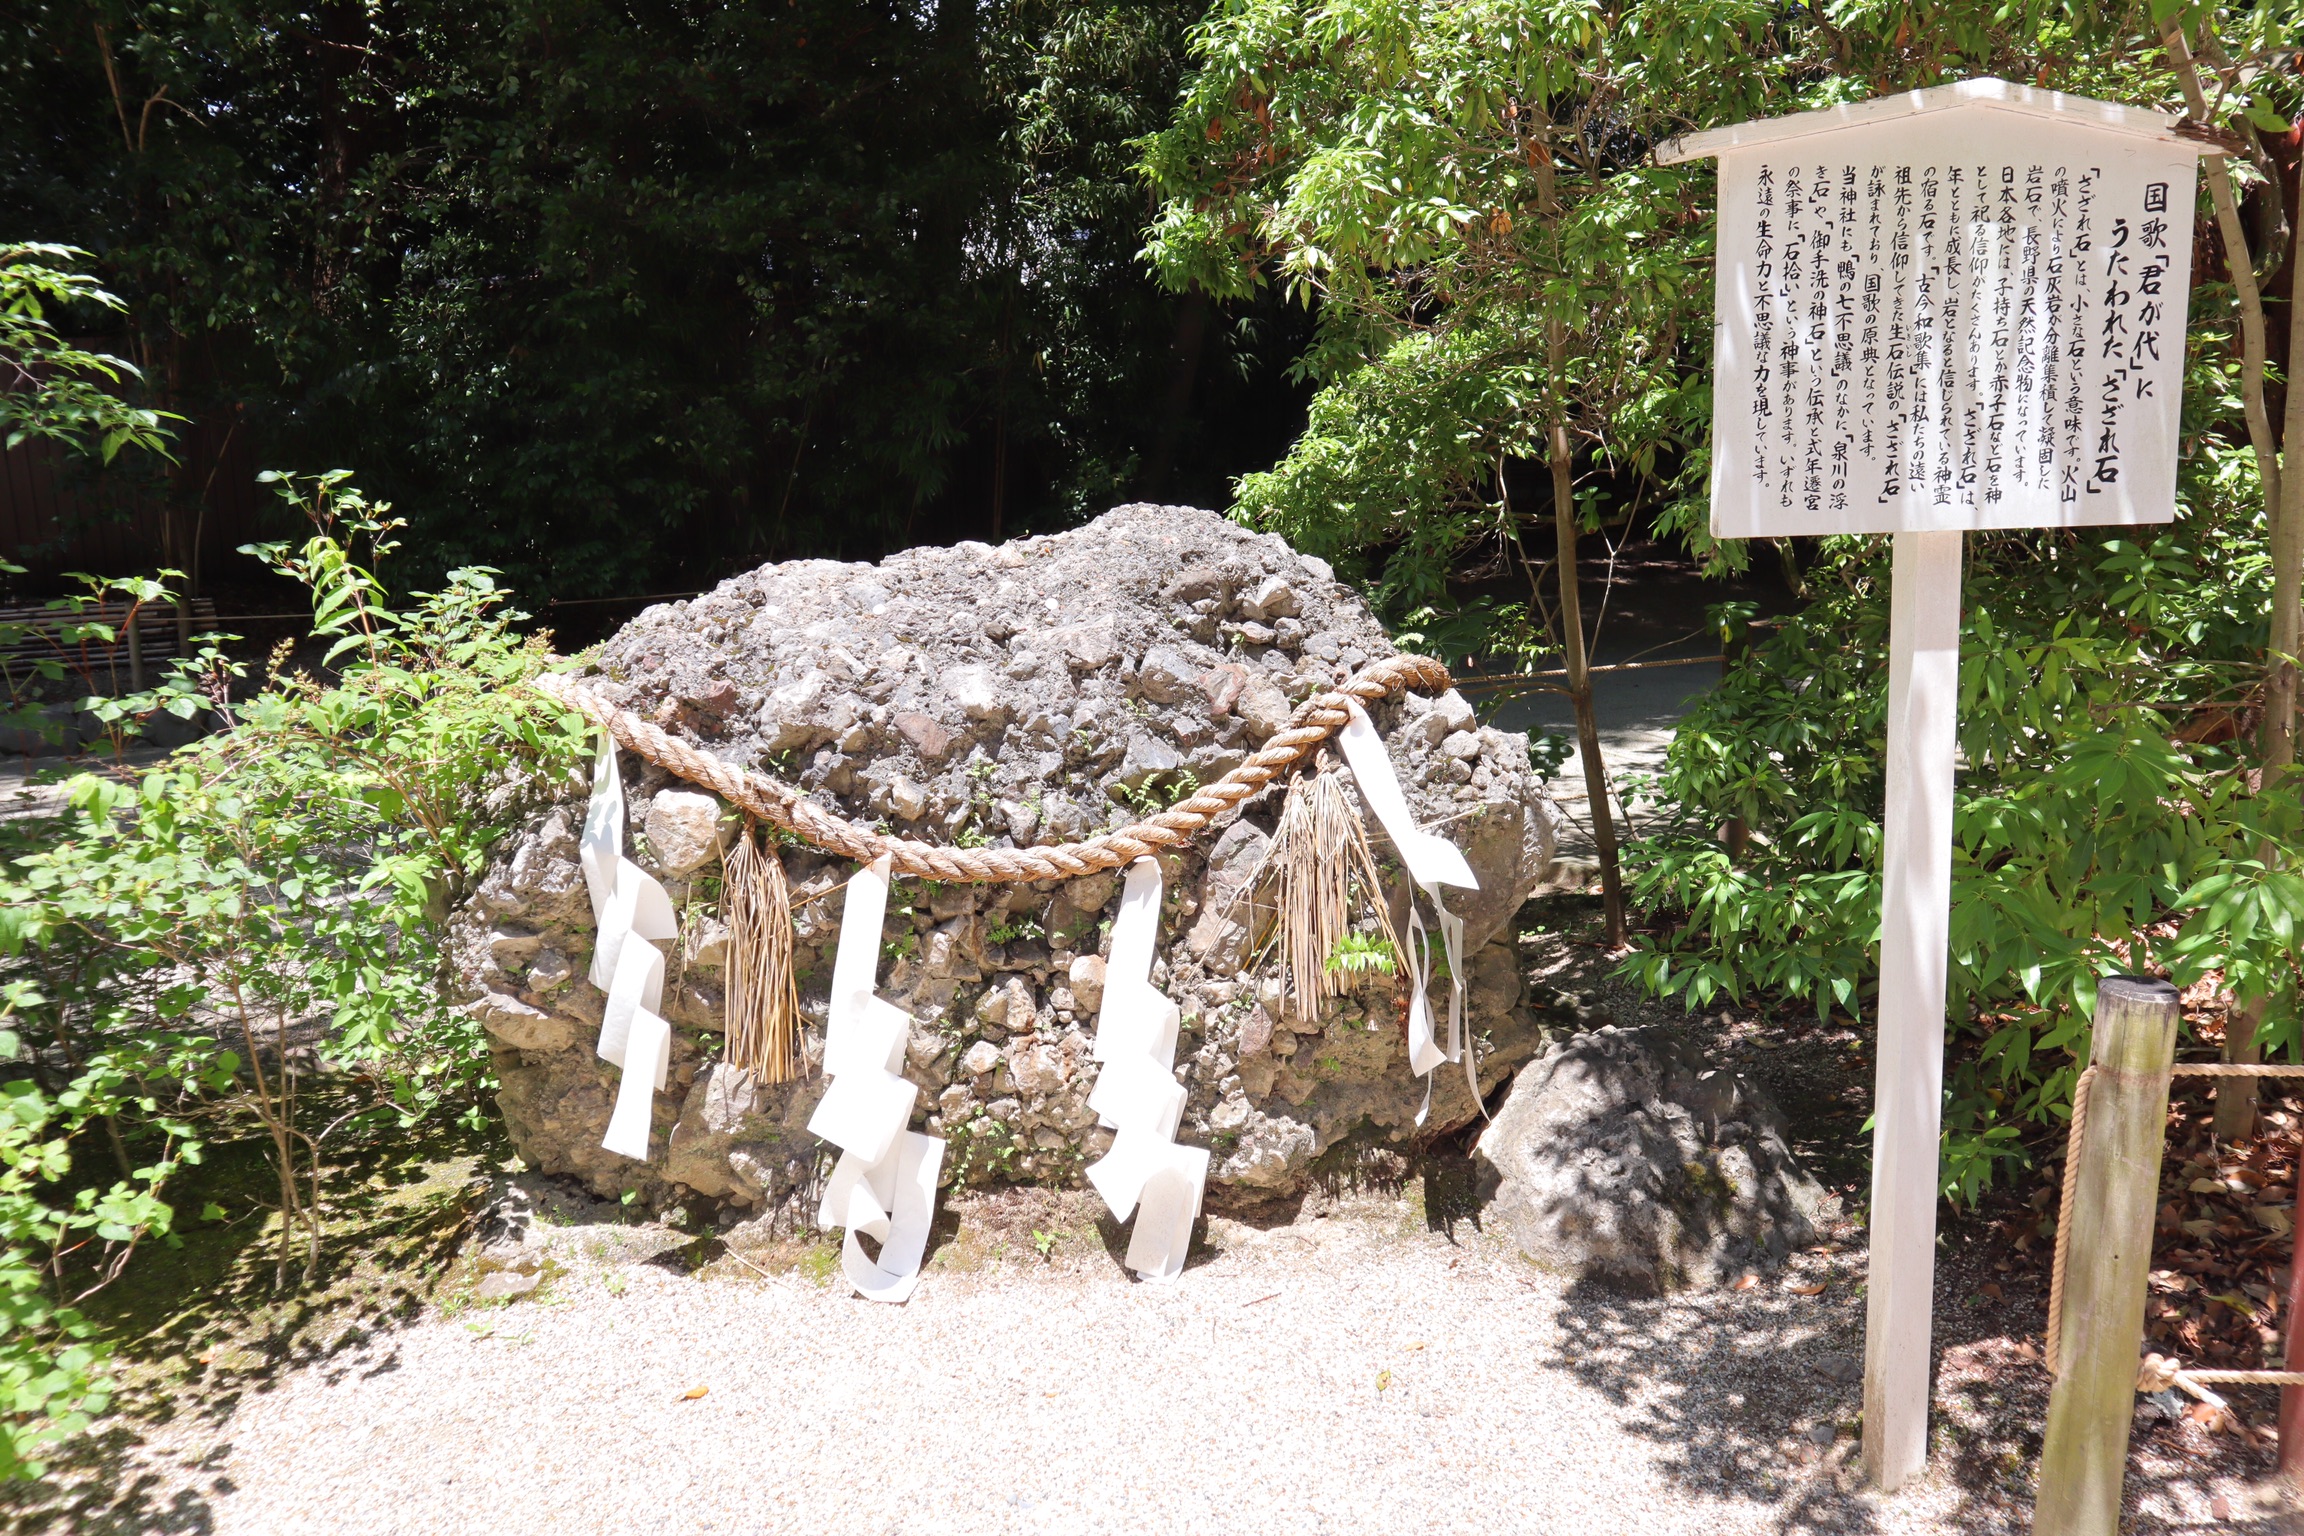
1745, 1282
693, 1393
2206, 1187
2274, 1219
1419, 1344
1808, 1290
1383, 1380
2200, 1413
1992, 1291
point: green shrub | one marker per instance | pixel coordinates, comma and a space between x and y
275, 892
2106, 818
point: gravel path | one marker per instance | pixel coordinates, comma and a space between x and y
1350, 1371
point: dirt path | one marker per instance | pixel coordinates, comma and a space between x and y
1364, 1366
1352, 1370
1370, 1361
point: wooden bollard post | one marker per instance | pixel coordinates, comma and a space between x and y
2107, 1253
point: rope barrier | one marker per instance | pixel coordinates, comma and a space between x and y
1314, 721
2233, 1069
2064, 1217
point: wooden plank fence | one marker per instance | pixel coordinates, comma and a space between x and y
124, 664
59, 513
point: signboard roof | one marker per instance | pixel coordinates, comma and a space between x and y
1987, 94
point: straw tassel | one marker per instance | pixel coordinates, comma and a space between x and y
763, 998
1319, 852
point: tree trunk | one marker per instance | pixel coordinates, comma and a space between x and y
1579, 664
2236, 1096
2283, 486
1000, 419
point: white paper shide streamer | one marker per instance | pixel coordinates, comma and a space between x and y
629, 910
1137, 1094
1432, 862
884, 1185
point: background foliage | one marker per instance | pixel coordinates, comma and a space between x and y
616, 298
622, 297
1444, 182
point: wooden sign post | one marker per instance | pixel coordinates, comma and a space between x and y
1961, 308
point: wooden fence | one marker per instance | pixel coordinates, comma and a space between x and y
60, 513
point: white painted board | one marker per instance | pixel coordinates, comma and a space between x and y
1959, 319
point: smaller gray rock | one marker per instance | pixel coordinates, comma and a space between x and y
1089, 646
1462, 745
927, 735
510, 947
1262, 707
972, 688
1255, 1032
1847, 1370
708, 944
1822, 1434
1166, 676
1271, 1154
1454, 711
981, 1058
548, 970
1089, 893
1274, 598
1035, 1069
523, 1028
1612, 1158
907, 799
1148, 757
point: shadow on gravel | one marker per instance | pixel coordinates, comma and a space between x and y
1748, 1393
196, 1328
116, 1494
1451, 1192
1757, 1396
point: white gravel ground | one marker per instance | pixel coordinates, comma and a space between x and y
1346, 1373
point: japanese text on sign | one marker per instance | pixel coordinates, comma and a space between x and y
1959, 341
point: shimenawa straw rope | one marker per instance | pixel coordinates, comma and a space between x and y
1314, 721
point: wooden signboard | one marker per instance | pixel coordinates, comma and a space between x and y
1959, 308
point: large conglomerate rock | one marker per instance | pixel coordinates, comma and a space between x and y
1035, 693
